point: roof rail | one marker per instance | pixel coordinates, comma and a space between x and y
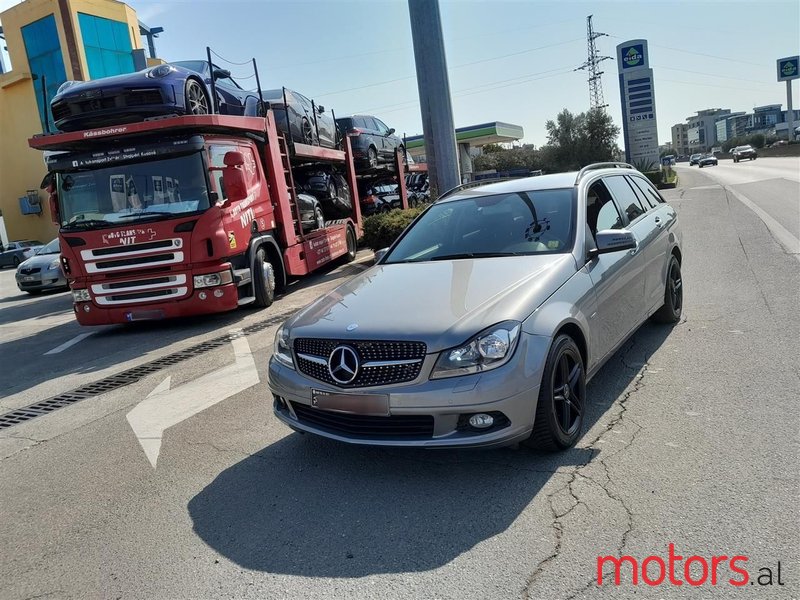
472, 184
602, 165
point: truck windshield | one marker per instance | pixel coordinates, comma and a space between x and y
128, 193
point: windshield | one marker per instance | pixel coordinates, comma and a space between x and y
51, 248
128, 193
520, 223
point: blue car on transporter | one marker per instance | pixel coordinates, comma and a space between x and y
182, 88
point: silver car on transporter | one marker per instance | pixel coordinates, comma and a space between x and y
483, 322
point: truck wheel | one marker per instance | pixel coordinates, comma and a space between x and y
263, 280
352, 245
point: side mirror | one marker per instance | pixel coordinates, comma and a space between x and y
615, 240
55, 215
221, 74
379, 254
391, 131
320, 109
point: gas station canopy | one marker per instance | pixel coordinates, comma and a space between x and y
474, 135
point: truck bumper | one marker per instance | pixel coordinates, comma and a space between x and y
217, 299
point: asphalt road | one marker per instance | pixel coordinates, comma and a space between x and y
692, 440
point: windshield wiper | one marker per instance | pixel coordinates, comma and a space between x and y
88, 223
474, 255
144, 215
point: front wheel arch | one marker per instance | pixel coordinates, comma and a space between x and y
275, 256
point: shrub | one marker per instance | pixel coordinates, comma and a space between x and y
382, 229
655, 177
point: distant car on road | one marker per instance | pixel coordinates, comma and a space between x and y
741, 152
694, 158
707, 160
42, 271
15, 252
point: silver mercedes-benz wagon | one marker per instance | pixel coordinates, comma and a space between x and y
482, 323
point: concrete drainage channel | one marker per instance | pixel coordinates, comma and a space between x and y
45, 407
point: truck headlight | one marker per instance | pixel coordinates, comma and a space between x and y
487, 350
212, 279
80, 296
281, 351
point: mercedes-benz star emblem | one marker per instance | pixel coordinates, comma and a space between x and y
343, 364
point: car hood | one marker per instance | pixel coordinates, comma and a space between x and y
38, 260
441, 303
106, 83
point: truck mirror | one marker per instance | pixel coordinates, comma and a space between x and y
233, 159
55, 216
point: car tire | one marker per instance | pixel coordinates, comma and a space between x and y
385, 208
671, 310
263, 280
352, 245
699, 165
372, 157
561, 405
195, 98
15, 262
319, 217
307, 131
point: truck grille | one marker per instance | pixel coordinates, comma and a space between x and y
364, 426
119, 257
381, 362
140, 290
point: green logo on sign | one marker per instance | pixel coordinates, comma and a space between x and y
633, 56
788, 68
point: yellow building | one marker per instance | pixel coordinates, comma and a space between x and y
52, 41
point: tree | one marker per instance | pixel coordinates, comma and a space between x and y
492, 148
578, 140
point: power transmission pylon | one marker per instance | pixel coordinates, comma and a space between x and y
592, 65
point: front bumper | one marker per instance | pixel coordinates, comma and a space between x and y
47, 280
89, 313
511, 391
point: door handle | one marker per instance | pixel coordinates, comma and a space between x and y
658, 222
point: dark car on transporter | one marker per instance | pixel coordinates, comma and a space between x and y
373, 142
182, 88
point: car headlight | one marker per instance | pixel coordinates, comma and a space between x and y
487, 350
212, 279
54, 264
281, 350
65, 86
80, 296
160, 71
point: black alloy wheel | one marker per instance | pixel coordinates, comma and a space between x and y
196, 98
562, 398
672, 309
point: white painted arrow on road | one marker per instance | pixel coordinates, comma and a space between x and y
165, 406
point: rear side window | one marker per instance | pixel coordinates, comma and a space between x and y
345, 124
627, 199
361, 122
653, 197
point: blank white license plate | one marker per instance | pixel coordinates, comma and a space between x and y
28, 278
361, 404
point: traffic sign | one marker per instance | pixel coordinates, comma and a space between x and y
789, 68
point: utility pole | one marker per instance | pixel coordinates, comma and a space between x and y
592, 65
434, 95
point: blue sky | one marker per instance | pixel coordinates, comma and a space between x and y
508, 61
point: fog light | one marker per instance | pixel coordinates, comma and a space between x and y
86, 308
202, 295
218, 293
481, 421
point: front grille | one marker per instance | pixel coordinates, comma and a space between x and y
30, 270
366, 427
142, 97
367, 351
148, 295
134, 247
141, 260
60, 110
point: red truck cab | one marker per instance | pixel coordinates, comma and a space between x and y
186, 215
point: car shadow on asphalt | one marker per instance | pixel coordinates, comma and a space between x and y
316, 508
115, 344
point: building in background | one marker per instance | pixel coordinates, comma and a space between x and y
50, 42
680, 139
731, 126
703, 129
637, 93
